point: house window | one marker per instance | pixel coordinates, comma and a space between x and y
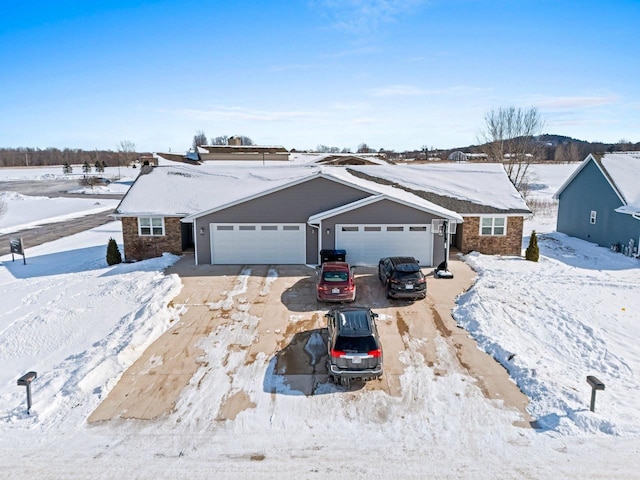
495, 226
592, 217
151, 226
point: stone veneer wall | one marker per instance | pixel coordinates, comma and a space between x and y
509, 244
141, 248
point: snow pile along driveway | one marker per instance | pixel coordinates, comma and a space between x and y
554, 322
77, 322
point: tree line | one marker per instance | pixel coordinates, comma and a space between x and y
125, 154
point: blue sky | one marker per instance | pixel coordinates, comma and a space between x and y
393, 74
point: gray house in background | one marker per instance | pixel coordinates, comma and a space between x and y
600, 202
290, 214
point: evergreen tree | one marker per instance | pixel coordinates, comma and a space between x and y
113, 253
86, 168
533, 252
66, 168
98, 166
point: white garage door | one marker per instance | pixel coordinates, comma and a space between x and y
367, 244
260, 243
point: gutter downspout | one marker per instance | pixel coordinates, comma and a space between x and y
317, 227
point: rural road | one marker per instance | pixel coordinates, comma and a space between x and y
52, 231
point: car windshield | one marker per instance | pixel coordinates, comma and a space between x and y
354, 322
408, 275
335, 276
355, 344
408, 267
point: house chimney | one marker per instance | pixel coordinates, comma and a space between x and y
235, 140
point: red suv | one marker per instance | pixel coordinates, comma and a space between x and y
335, 283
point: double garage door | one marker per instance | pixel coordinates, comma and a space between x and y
367, 244
259, 243
269, 243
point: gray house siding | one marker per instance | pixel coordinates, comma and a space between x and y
589, 191
381, 213
290, 205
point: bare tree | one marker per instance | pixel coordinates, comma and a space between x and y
221, 140
199, 139
364, 148
127, 151
246, 140
509, 137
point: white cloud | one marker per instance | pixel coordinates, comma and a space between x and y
564, 103
362, 16
412, 90
241, 113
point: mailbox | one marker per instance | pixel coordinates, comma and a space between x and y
595, 386
595, 383
26, 379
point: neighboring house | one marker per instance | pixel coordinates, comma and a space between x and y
280, 215
340, 159
248, 153
236, 154
600, 202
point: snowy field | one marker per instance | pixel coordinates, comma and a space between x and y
25, 211
80, 323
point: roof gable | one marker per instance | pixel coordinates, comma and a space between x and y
319, 174
436, 210
620, 170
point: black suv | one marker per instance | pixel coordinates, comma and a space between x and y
402, 277
354, 346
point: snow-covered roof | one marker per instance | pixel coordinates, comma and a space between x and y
622, 171
175, 189
304, 158
478, 183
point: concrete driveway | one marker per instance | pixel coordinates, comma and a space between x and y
212, 296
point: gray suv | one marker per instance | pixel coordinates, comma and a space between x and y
354, 346
402, 278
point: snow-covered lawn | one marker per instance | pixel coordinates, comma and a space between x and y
25, 211
80, 323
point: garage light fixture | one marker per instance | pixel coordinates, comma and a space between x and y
328, 231
201, 230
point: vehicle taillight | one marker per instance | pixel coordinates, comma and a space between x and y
350, 288
375, 353
337, 353
421, 280
395, 280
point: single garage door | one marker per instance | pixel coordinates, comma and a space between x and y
259, 243
367, 244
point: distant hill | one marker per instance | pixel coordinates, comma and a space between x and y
554, 148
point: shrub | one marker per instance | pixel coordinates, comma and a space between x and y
533, 252
113, 253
